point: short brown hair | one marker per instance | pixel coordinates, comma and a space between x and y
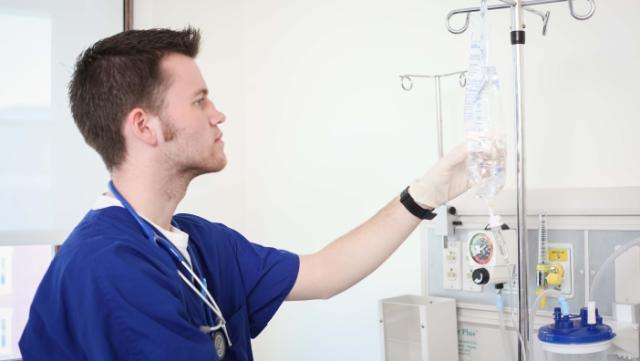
117, 74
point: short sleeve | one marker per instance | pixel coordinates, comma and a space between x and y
268, 275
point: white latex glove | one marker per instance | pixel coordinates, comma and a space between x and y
446, 180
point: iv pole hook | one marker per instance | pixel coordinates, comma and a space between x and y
461, 29
589, 14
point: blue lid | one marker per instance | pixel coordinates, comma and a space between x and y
573, 329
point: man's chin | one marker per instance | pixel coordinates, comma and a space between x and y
218, 166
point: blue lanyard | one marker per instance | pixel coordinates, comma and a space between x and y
166, 245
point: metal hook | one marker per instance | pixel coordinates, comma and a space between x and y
592, 10
462, 79
406, 83
460, 30
545, 22
543, 16
510, 3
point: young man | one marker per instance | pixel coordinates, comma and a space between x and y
134, 281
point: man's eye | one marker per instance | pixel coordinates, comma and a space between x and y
199, 102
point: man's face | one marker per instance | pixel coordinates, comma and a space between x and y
192, 140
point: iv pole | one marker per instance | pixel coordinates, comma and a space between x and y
407, 84
517, 42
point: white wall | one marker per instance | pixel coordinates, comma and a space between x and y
218, 196
320, 134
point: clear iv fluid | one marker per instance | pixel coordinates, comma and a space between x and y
486, 167
484, 125
486, 141
486, 163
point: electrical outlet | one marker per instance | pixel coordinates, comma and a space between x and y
452, 267
6, 341
6, 270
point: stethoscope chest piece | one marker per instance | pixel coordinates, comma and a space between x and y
219, 343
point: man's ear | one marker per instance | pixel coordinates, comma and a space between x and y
139, 125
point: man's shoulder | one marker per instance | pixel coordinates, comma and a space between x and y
101, 236
102, 227
109, 243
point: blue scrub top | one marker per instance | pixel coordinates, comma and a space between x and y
112, 294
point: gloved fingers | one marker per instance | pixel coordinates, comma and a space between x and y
446, 180
457, 155
460, 181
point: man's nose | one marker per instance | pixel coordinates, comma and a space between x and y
217, 117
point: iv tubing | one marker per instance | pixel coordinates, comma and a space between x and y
597, 279
505, 341
514, 321
547, 293
503, 331
495, 225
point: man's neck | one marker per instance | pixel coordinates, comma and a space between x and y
155, 197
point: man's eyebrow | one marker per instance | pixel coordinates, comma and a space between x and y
203, 91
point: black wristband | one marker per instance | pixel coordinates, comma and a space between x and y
414, 208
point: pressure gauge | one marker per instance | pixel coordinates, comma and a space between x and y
488, 257
481, 248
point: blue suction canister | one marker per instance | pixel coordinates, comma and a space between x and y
571, 334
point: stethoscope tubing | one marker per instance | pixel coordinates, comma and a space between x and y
204, 294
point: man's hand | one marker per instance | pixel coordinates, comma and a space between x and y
446, 180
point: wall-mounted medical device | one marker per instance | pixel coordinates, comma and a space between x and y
489, 257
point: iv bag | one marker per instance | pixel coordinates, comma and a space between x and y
484, 124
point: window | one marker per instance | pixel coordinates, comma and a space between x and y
50, 178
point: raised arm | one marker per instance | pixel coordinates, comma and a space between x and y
353, 256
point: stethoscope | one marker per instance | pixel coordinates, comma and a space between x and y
218, 333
